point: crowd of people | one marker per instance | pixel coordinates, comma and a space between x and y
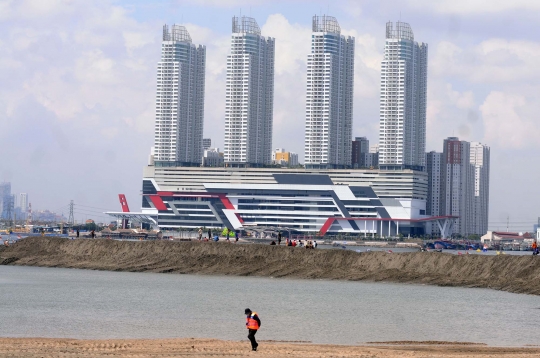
308, 244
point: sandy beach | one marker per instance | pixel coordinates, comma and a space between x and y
43, 347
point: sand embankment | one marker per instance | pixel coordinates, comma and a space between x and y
43, 347
517, 274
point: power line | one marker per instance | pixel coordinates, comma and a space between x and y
92, 215
93, 207
92, 211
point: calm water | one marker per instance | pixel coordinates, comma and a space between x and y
50, 302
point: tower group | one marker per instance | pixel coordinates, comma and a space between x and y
458, 178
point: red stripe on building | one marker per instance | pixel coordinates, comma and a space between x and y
326, 225
123, 203
240, 218
226, 202
158, 203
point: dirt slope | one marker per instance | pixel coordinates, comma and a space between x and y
509, 273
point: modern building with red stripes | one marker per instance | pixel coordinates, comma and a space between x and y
324, 202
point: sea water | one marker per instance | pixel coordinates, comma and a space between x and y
53, 302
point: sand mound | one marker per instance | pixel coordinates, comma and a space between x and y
509, 273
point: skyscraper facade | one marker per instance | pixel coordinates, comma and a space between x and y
23, 202
434, 162
456, 188
206, 143
23, 205
480, 158
6, 200
402, 132
179, 100
329, 99
249, 95
458, 185
360, 151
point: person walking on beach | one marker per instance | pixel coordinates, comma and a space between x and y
209, 234
200, 234
236, 236
279, 238
77, 233
535, 248
253, 323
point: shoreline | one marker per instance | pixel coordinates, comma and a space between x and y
504, 272
204, 347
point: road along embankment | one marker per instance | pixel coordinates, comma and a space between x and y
518, 274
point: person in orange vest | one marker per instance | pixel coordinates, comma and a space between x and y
535, 248
253, 323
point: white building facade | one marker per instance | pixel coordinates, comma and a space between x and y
249, 95
23, 202
480, 159
402, 132
329, 98
179, 100
434, 162
212, 158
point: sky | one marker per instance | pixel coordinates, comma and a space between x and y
78, 82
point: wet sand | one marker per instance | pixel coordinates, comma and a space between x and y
43, 347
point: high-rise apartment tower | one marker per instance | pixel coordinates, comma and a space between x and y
179, 100
329, 99
402, 132
23, 202
360, 151
249, 95
434, 168
5, 200
480, 158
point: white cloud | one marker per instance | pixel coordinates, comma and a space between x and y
229, 3
506, 122
474, 6
490, 61
292, 48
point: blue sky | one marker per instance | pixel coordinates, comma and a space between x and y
78, 87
